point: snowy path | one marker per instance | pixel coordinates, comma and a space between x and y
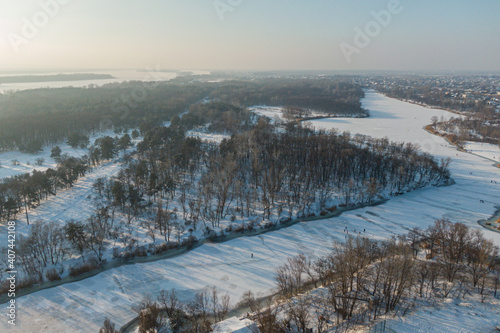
73, 203
82, 306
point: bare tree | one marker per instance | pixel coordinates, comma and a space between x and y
108, 327
481, 256
150, 318
297, 312
98, 228
164, 222
266, 317
198, 311
289, 276
173, 307
219, 307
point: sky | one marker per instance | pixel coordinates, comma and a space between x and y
444, 35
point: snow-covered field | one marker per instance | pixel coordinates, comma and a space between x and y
450, 315
72, 203
27, 162
82, 306
234, 324
275, 113
68, 204
208, 137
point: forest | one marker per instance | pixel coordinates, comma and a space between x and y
339, 97
32, 119
265, 171
26, 191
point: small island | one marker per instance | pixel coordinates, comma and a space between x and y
55, 77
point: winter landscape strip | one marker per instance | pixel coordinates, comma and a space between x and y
185, 249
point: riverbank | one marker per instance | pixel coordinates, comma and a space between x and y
493, 223
178, 251
185, 248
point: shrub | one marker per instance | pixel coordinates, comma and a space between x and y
164, 247
140, 251
189, 242
84, 268
239, 228
116, 252
268, 225
214, 236
28, 283
127, 255
284, 220
160, 248
52, 275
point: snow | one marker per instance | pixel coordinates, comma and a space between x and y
486, 150
75, 203
82, 306
208, 137
450, 315
399, 121
27, 162
275, 113
235, 325
72, 203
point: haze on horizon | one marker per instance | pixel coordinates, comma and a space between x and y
452, 35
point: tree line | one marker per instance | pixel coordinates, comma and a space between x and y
23, 192
169, 313
331, 96
219, 116
32, 119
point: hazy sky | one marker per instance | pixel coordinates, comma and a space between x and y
249, 34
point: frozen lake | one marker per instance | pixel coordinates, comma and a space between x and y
119, 76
